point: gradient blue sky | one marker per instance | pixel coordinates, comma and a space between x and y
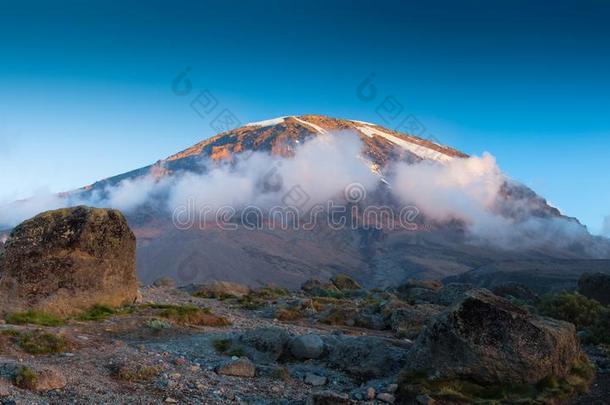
86, 86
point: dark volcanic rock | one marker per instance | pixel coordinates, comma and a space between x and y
364, 357
452, 293
68, 260
420, 291
265, 344
595, 286
489, 340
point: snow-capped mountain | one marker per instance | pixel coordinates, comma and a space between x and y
437, 243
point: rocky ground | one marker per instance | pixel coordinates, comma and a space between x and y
138, 357
185, 357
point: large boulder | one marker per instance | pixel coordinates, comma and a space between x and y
595, 286
65, 261
487, 339
264, 345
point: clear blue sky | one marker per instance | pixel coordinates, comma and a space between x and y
86, 86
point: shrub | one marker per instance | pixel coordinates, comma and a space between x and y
599, 332
26, 377
571, 307
587, 314
34, 318
158, 324
136, 374
222, 345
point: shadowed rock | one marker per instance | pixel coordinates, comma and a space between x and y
65, 261
487, 339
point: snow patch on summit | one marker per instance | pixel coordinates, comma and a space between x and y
319, 129
418, 150
267, 123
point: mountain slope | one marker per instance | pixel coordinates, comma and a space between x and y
377, 256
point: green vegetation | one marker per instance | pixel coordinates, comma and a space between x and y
225, 346
465, 391
571, 307
26, 377
37, 342
33, 318
586, 314
158, 324
101, 312
98, 312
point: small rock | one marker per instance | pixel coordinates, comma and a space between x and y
164, 282
181, 361
170, 400
329, 398
240, 368
386, 397
315, 380
50, 379
425, 399
370, 393
392, 388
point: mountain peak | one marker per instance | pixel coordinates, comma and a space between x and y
279, 136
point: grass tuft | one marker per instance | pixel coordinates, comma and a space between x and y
98, 312
225, 346
37, 342
33, 318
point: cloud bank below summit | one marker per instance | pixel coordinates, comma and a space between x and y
466, 190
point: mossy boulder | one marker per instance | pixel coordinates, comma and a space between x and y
65, 261
489, 340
